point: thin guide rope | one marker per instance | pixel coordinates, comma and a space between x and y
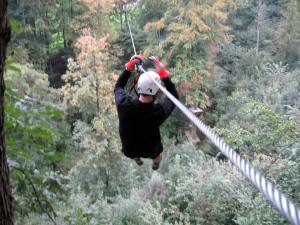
130, 32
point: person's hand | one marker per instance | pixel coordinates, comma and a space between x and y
133, 61
161, 69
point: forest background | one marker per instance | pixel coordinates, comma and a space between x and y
237, 60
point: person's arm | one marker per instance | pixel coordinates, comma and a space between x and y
120, 93
167, 106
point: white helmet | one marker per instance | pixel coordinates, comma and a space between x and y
146, 84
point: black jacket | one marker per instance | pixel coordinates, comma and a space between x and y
139, 122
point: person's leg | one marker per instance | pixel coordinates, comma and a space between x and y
156, 162
138, 161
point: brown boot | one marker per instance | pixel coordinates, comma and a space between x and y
138, 161
156, 162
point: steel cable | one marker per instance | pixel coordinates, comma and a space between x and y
283, 204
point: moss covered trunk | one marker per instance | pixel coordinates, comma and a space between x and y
6, 212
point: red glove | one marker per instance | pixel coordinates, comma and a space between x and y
162, 71
133, 61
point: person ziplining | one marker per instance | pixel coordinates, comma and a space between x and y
139, 117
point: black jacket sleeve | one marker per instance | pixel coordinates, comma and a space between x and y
167, 105
120, 94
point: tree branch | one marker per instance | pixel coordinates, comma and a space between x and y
37, 195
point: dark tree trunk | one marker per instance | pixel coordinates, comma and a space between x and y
6, 212
97, 88
258, 24
71, 9
63, 23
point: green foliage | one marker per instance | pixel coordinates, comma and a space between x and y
196, 193
16, 26
43, 27
189, 76
88, 84
244, 20
10, 65
79, 175
151, 11
289, 37
33, 134
254, 127
242, 71
176, 195
254, 207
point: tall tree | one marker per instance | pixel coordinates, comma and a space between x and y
189, 41
259, 19
6, 213
288, 35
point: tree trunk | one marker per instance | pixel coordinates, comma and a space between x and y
258, 24
71, 9
63, 23
97, 87
6, 212
121, 19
